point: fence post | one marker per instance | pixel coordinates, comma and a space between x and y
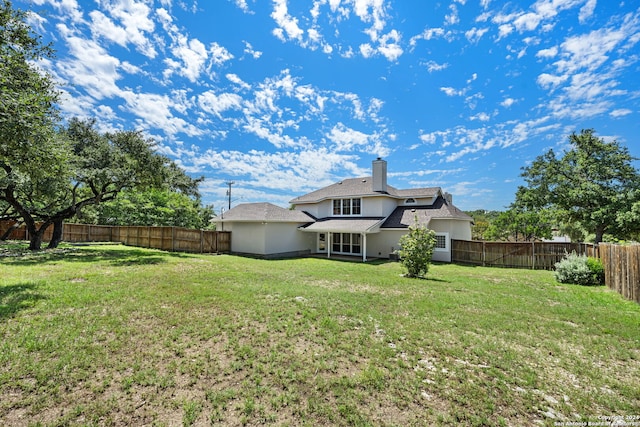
484, 253
533, 255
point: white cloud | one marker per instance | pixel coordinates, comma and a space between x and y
212, 103
449, 91
294, 173
235, 79
248, 49
621, 112
527, 21
434, 66
366, 50
154, 111
371, 11
483, 117
68, 9
191, 57
429, 34
288, 28
242, 4
129, 22
475, 34
587, 10
504, 30
547, 53
345, 138
587, 67
90, 66
549, 81
452, 18
390, 46
508, 102
219, 55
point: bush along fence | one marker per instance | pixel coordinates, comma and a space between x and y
174, 239
621, 262
534, 255
622, 269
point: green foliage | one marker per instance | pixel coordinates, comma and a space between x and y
580, 270
417, 250
482, 221
593, 184
597, 268
520, 225
153, 207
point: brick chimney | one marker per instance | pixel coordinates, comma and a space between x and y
379, 175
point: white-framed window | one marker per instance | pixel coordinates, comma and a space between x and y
442, 242
410, 201
347, 207
346, 243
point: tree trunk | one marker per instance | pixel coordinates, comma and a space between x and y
56, 237
7, 233
36, 235
35, 243
599, 235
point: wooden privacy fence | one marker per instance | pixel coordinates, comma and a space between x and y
622, 269
174, 239
534, 255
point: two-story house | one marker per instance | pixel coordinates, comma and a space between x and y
363, 217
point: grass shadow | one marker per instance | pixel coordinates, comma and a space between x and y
14, 298
116, 255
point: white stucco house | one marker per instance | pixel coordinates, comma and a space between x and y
362, 217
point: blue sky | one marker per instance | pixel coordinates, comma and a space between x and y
283, 97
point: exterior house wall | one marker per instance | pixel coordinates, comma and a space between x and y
318, 210
380, 245
378, 206
271, 239
459, 230
247, 237
284, 239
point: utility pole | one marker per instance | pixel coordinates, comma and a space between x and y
229, 183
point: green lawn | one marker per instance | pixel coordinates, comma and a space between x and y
114, 335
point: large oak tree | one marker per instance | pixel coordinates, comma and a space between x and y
98, 167
593, 184
29, 149
49, 173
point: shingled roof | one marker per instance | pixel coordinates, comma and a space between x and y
361, 187
346, 225
404, 216
251, 212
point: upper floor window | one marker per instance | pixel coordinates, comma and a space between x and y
347, 207
410, 201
